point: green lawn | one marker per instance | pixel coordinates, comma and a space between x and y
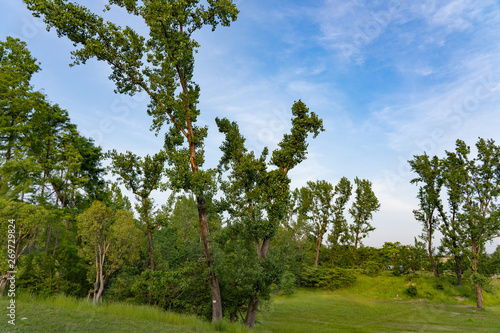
320, 311
371, 305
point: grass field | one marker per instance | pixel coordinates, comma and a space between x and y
372, 305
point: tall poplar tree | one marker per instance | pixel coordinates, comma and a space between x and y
480, 190
429, 213
167, 78
257, 198
340, 229
321, 210
364, 205
454, 174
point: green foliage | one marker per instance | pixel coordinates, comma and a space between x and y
43, 157
329, 278
364, 205
288, 283
257, 200
182, 290
473, 186
372, 267
430, 174
109, 240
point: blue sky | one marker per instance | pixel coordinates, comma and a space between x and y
391, 79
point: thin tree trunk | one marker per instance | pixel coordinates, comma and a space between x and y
431, 257
354, 253
433, 262
213, 278
316, 261
96, 283
476, 251
150, 239
459, 270
99, 293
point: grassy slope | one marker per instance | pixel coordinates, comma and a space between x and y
381, 305
370, 305
64, 314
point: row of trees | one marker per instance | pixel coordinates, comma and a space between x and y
196, 253
319, 208
72, 224
471, 187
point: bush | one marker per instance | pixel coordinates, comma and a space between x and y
372, 268
411, 290
328, 277
439, 285
287, 283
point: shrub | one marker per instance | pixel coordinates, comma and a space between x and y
439, 285
411, 290
287, 283
372, 268
328, 277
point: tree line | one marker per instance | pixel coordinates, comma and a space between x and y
214, 256
76, 232
471, 187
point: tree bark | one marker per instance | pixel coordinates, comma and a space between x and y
479, 294
253, 305
213, 278
101, 288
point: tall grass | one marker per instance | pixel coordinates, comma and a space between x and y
66, 312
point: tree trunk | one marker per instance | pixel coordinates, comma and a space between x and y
213, 279
253, 305
354, 253
459, 270
434, 267
317, 250
431, 257
99, 293
476, 252
150, 239
3, 283
96, 283
479, 294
